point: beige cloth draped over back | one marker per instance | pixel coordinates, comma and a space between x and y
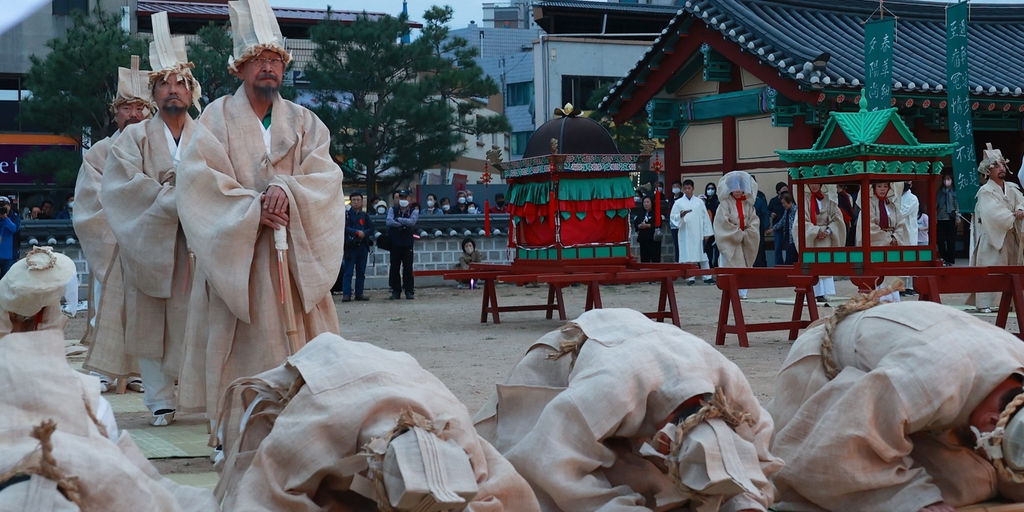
107, 352
573, 433
111, 477
139, 201
877, 437
290, 454
738, 247
235, 326
999, 236
830, 217
51, 318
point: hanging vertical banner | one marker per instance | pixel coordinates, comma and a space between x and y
879, 36
961, 132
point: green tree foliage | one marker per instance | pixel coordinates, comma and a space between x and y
73, 85
627, 135
396, 109
210, 55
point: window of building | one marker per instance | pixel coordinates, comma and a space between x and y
579, 89
519, 94
66, 6
519, 140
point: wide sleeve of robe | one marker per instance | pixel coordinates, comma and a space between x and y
90, 221
738, 247
830, 217
994, 215
139, 197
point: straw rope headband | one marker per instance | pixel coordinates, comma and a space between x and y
992, 442
717, 406
377, 449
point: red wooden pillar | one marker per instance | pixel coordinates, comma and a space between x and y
801, 135
673, 171
728, 144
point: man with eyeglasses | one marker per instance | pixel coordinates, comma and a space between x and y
258, 164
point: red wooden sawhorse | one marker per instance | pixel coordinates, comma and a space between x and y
732, 280
931, 283
667, 294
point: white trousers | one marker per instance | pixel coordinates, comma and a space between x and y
159, 387
826, 286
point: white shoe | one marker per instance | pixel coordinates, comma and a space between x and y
162, 420
984, 310
135, 384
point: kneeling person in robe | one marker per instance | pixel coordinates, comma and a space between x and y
30, 292
618, 412
349, 426
898, 408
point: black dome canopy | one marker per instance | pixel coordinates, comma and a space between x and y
576, 136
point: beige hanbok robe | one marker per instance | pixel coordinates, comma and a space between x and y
1000, 237
39, 385
899, 225
48, 318
877, 437
236, 327
139, 200
105, 327
829, 217
296, 443
693, 228
737, 246
575, 432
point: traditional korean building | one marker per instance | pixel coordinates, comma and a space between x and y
730, 81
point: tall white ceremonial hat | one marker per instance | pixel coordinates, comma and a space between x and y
254, 29
992, 157
132, 86
167, 56
35, 281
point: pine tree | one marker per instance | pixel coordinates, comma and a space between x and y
210, 55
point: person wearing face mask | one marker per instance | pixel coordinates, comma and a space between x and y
67, 212
947, 219
432, 207
472, 209
446, 205
380, 207
710, 198
461, 203
401, 219
589, 432
499, 204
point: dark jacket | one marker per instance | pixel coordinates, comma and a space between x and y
644, 217
355, 222
946, 206
400, 226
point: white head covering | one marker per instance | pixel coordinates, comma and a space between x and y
132, 86
992, 157
36, 281
167, 56
737, 180
254, 29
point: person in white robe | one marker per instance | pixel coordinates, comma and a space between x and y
107, 357
618, 412
823, 227
257, 165
899, 407
737, 227
139, 192
910, 208
345, 426
998, 222
689, 215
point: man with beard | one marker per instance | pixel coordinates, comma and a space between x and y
139, 196
998, 221
257, 164
105, 331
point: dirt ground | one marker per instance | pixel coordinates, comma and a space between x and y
441, 329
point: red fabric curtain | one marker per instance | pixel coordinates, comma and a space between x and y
596, 227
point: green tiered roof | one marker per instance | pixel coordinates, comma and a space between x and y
861, 131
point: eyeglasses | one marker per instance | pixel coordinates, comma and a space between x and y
260, 61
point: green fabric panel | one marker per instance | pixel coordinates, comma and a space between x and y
565, 215
523, 193
603, 252
619, 187
516, 219
611, 213
581, 215
521, 254
926, 255
569, 253
619, 251
892, 256
909, 255
623, 212
586, 252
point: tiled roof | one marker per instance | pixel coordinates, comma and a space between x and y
220, 11
788, 34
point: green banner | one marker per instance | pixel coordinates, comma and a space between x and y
965, 167
879, 38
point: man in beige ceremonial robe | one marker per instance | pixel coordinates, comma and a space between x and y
737, 227
618, 412
888, 415
257, 164
105, 328
139, 199
998, 221
823, 227
317, 432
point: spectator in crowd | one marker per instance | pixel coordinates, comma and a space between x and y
69, 208
851, 213
776, 211
461, 203
472, 209
764, 215
394, 198
358, 231
947, 218
783, 230
468, 256
12, 213
677, 192
446, 205
922, 228
8, 228
47, 211
659, 187
710, 199
469, 196
690, 214
401, 219
644, 223
432, 207
499, 204
380, 207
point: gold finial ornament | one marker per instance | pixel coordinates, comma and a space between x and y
567, 111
